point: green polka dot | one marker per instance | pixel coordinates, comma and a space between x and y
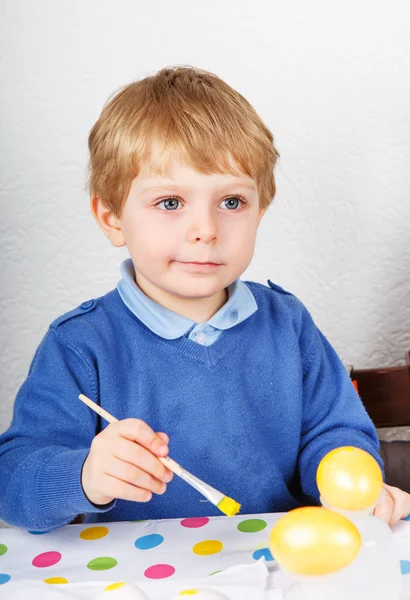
102, 563
252, 525
3, 549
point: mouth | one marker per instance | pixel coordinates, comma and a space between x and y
197, 262
198, 265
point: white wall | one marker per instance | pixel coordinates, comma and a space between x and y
332, 81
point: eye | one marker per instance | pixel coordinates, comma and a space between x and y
232, 203
169, 204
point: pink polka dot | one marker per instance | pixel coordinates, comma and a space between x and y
159, 571
46, 559
195, 522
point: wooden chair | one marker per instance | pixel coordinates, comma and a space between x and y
396, 458
385, 393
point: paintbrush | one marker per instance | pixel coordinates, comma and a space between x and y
225, 504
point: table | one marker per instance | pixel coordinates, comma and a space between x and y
162, 557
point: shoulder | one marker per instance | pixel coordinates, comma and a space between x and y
275, 295
267, 289
80, 311
281, 307
87, 319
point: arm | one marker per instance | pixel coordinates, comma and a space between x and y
333, 414
43, 451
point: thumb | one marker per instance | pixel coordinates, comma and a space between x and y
384, 510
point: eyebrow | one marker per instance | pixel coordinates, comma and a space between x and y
160, 188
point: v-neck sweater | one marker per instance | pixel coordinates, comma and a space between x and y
252, 414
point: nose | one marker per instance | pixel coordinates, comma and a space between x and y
203, 227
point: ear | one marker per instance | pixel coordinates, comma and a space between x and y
108, 222
262, 211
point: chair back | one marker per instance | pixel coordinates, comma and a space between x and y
385, 394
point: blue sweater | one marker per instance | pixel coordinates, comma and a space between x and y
252, 414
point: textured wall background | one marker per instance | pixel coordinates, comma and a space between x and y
332, 81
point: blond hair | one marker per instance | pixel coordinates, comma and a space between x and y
195, 117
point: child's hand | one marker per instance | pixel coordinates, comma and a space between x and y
394, 506
123, 463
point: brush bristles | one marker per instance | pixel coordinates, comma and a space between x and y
228, 506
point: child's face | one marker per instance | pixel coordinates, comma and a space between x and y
190, 235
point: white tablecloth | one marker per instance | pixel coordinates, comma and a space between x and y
162, 557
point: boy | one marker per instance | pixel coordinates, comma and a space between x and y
250, 393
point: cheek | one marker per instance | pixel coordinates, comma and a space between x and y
243, 241
148, 240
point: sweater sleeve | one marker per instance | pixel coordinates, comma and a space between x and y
333, 414
43, 451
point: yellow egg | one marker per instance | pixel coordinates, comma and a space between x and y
199, 594
349, 478
121, 591
314, 541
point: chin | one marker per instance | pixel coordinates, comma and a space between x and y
196, 290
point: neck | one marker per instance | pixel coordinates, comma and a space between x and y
195, 309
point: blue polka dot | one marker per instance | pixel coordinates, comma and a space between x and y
4, 578
405, 567
407, 518
263, 553
146, 542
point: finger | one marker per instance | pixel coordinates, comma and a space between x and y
401, 503
130, 452
133, 475
138, 431
396, 515
125, 491
163, 437
385, 509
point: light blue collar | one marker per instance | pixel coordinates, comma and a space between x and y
167, 324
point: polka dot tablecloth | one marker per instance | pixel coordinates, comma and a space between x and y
147, 550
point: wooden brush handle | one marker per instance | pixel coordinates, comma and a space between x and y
96, 408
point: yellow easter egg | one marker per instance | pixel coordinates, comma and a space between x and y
349, 478
121, 591
314, 541
199, 594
